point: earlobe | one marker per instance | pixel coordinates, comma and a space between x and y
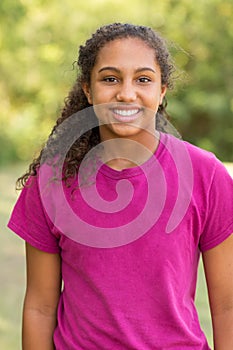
87, 92
163, 93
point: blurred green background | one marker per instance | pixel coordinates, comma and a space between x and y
39, 41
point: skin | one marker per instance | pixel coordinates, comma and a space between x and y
41, 299
123, 84
126, 76
218, 263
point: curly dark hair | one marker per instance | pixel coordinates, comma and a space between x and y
76, 100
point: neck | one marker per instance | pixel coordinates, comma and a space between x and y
121, 153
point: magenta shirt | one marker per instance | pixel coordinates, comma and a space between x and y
130, 273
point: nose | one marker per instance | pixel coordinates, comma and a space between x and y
126, 92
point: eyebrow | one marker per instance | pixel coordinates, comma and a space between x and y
138, 70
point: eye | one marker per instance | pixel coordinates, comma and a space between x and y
110, 79
144, 80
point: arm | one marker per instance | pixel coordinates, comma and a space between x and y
218, 264
41, 299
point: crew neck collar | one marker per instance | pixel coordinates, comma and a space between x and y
137, 170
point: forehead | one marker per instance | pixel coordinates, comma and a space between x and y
133, 51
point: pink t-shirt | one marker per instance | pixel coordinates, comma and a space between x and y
130, 249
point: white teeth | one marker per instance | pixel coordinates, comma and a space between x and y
126, 113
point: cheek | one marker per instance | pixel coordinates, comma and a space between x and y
103, 96
101, 111
153, 100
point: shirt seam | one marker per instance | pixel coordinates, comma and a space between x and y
18, 229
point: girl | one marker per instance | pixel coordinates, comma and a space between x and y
116, 211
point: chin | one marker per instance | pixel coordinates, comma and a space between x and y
126, 130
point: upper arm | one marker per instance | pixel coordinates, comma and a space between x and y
218, 264
43, 279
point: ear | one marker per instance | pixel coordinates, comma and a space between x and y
87, 92
163, 93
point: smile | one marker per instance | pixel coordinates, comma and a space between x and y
126, 113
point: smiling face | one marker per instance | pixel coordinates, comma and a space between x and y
127, 78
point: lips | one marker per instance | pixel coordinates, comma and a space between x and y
126, 114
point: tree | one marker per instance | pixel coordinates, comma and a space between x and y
39, 41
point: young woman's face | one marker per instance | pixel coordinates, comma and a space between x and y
127, 77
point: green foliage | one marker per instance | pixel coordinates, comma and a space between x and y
39, 41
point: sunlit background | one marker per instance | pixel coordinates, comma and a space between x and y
39, 41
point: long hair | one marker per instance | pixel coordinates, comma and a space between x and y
76, 100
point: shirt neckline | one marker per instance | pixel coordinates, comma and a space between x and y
137, 170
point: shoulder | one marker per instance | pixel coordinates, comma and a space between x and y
203, 161
201, 177
194, 151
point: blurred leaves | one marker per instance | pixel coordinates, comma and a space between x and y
39, 41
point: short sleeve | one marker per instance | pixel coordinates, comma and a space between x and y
29, 220
218, 223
